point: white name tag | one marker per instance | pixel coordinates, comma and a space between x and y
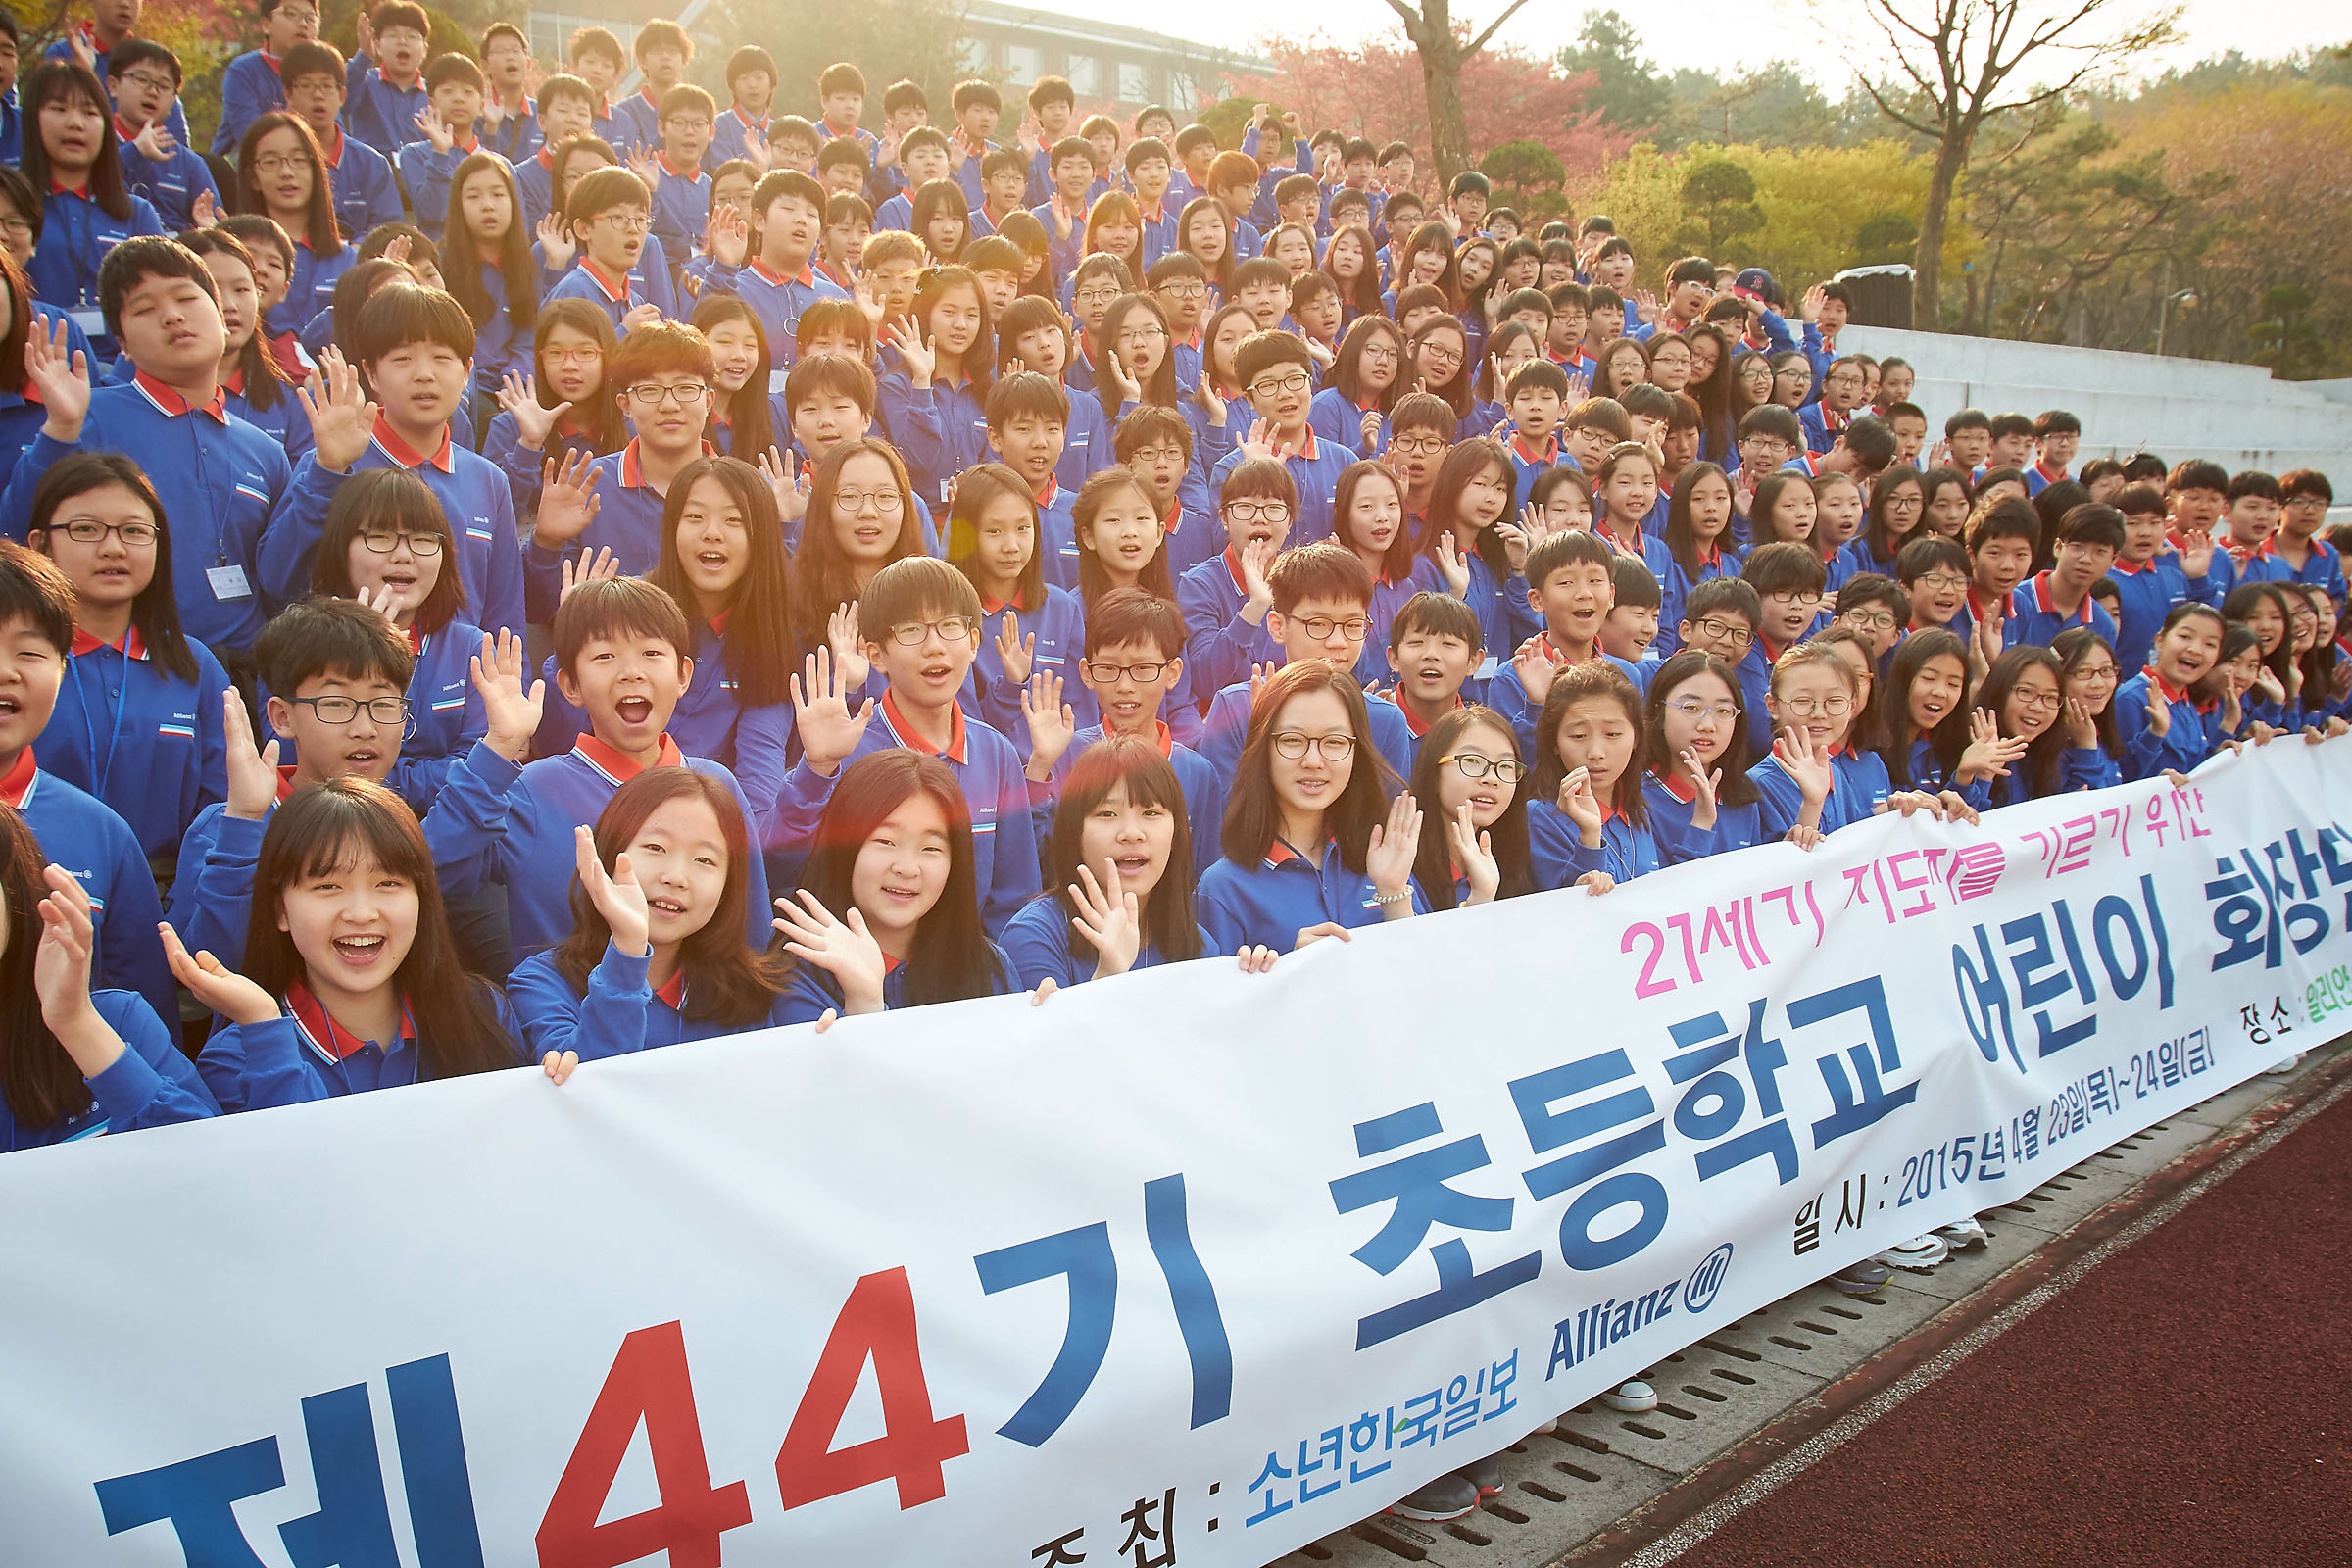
91, 323
228, 582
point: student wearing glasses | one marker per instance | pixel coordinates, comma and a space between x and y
1278, 374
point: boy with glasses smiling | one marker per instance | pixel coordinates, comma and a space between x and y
144, 78
2295, 553
609, 214
1278, 374
661, 380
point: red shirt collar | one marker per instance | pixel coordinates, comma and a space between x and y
905, 733
1051, 491
804, 277
2042, 600
270, 60
618, 768
15, 785
1414, 726
822, 265
546, 162
126, 132
2047, 473
329, 1039
1676, 783
285, 783
1981, 610
234, 381
1312, 449
400, 452
632, 463
615, 291
1546, 456
469, 146
171, 403
690, 175
2175, 694
673, 990
646, 92
746, 120
384, 73
133, 645
334, 155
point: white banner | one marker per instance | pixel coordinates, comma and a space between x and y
1186, 1266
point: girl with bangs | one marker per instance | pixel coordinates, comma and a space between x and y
1351, 262
253, 384
351, 981
656, 954
1122, 544
936, 405
1928, 735
1438, 358
1698, 542
137, 720
893, 854
1204, 233
1427, 258
1028, 624
486, 242
1695, 786
942, 219
74, 1062
1477, 268
1468, 764
1114, 227
387, 542
861, 517
1468, 542
1590, 823
1136, 367
745, 415
1366, 380
564, 404
1367, 515
1510, 345
2025, 692
1121, 858
2088, 677
72, 162
1317, 837
282, 176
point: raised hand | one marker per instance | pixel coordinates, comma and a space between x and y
1985, 640
1515, 544
616, 894
1259, 443
1205, 394
398, 250
1390, 854
252, 775
1122, 379
155, 143
205, 211
1706, 788
1579, 805
61, 965
578, 571
730, 236
845, 950
1808, 308
1473, 851
869, 303
1052, 724
1368, 431
1012, 650
557, 247
1990, 753
640, 159
568, 499
216, 985
788, 481
519, 395
1111, 918
1536, 670
2160, 713
341, 413
2196, 553
440, 136
1536, 524
61, 374
921, 363
1452, 566
821, 715
1810, 768
387, 600
1257, 559
848, 644
640, 316
512, 709
2081, 724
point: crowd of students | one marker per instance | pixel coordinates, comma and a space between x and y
512, 576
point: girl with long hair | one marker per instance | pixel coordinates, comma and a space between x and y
561, 410
745, 420
72, 162
1468, 539
282, 176
1589, 822
1695, 788
1366, 379
486, 243
1469, 767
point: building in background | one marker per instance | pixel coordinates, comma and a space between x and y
1109, 66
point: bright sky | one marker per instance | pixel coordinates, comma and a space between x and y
1717, 34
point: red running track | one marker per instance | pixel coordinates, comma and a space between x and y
2184, 1403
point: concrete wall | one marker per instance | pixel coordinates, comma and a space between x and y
2237, 414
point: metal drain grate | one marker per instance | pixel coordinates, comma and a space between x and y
1561, 1487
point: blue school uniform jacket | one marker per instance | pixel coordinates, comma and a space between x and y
516, 137
1507, 695
730, 136
1336, 419
361, 182
144, 742
1673, 592
535, 184
755, 744
525, 469
1190, 538
2145, 593
941, 430
776, 299
250, 87
1220, 646
445, 715
150, 1085
2079, 768
1060, 626
1227, 725
1669, 802
220, 480
2323, 568
79, 833
1005, 864
1857, 783
812, 992
2194, 732
2034, 617
521, 839
1556, 848
1269, 902
682, 213
619, 1014
1042, 946
475, 497
637, 122
77, 233
377, 110
1316, 468
170, 187
302, 1056
499, 347
310, 287
627, 522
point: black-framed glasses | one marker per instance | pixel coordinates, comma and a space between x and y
652, 394
1292, 744
89, 531
1505, 770
951, 629
1258, 511
1320, 627
384, 541
1108, 674
1724, 632
1267, 386
343, 709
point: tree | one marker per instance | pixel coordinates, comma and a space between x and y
1436, 41
1721, 198
1626, 90
1957, 67
1527, 177
1885, 237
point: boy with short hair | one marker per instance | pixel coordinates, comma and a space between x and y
1466, 199
2049, 602
565, 108
414, 346
1604, 319
1593, 426
76, 829
145, 79
1134, 660
779, 283
849, 224
1070, 182
1536, 399
1004, 182
1421, 428
1028, 419
1278, 376
905, 108
1321, 609
751, 77
1225, 597
596, 58
923, 157
620, 657
1934, 573
1233, 180
360, 178
1155, 445
2011, 444
1150, 168
509, 123
1968, 437
681, 210
1789, 581
2254, 504
253, 85
1196, 148
384, 83
1051, 103
1436, 644
454, 87
841, 167
2147, 574
1630, 632
1909, 422
662, 49
1262, 287
609, 212
1564, 342
1873, 607
1719, 618
2057, 437
1572, 587
841, 103
792, 143
977, 105
920, 622
2295, 553
2002, 541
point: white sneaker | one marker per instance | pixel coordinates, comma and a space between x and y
1963, 1235
2285, 1068
1633, 1396
1918, 1254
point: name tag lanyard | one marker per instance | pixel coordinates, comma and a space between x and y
101, 771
